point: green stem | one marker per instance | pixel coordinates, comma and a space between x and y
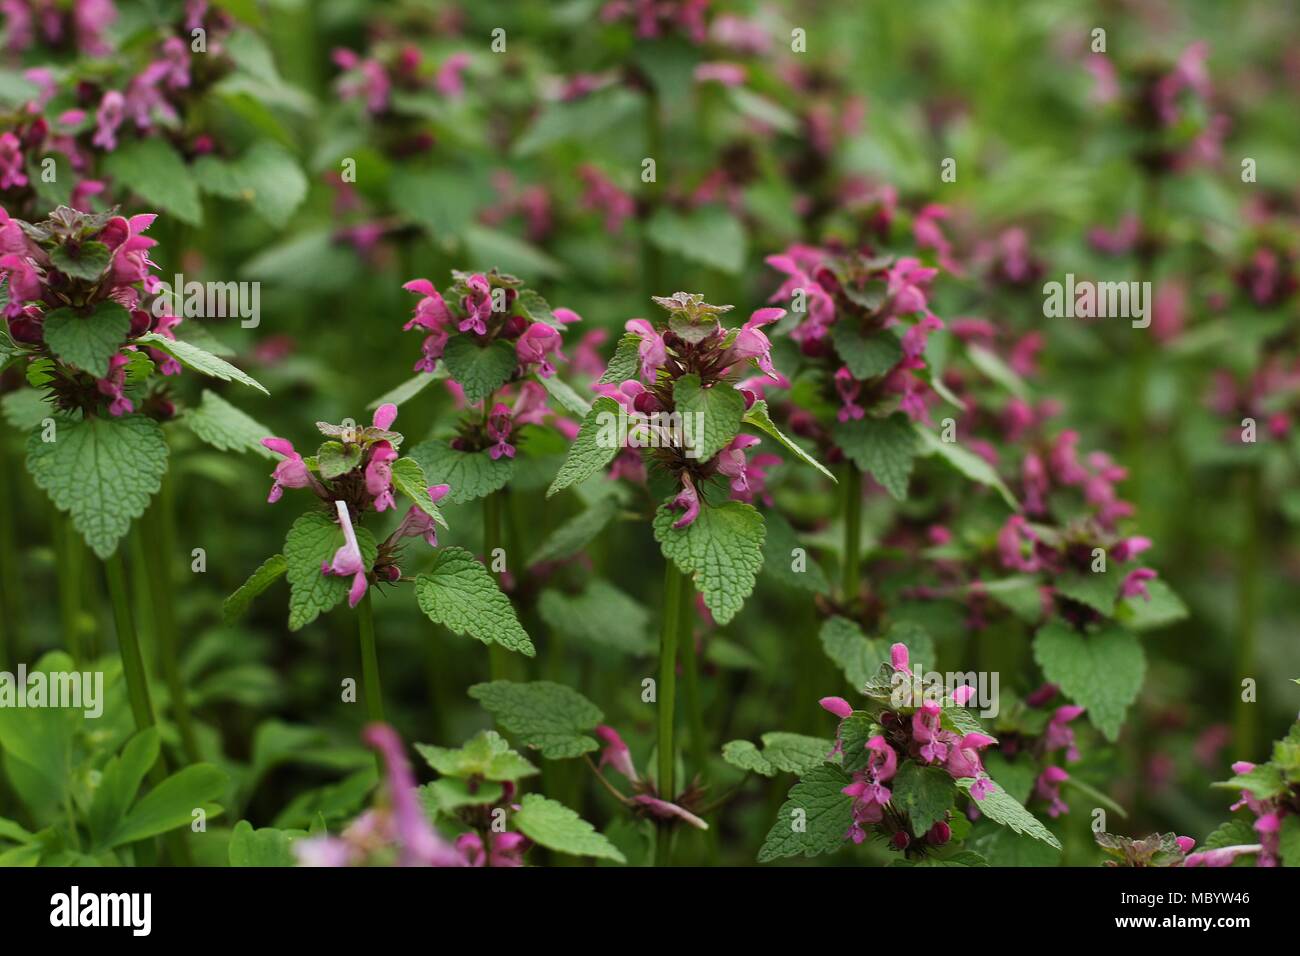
852, 558
70, 559
128, 643
675, 586
11, 607
691, 675
369, 660
156, 572
1244, 717
498, 657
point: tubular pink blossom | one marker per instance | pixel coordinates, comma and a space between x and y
616, 753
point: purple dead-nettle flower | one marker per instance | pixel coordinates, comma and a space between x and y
870, 795
645, 800
1048, 787
398, 833
91, 267
615, 753
348, 561
498, 429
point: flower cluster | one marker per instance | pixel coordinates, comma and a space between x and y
645, 800
94, 269
910, 728
692, 344
866, 319
373, 79
353, 472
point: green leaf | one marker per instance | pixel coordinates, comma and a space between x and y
1000, 807
265, 846
119, 783
445, 796
759, 416
795, 753
626, 363
779, 557
578, 119
966, 462
410, 388
717, 410
884, 447
225, 427
409, 479
601, 616
152, 169
187, 353
556, 827
311, 542
722, 550
709, 235
858, 656
470, 474
25, 408
867, 356
171, 804
743, 755
486, 755
103, 471
576, 533
479, 370
997, 370
1003, 847
334, 459
266, 176
237, 605
1164, 608
595, 446
1233, 833
924, 793
814, 819
1101, 671
503, 251
550, 717
460, 594
562, 392
88, 341
1096, 589
88, 264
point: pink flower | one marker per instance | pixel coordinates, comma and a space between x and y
538, 341
687, 502
898, 658
848, 388
601, 195
418, 843
506, 849
11, 162
417, 523
1223, 856
290, 473
666, 811
868, 787
112, 386
1059, 734
1130, 548
431, 311
615, 753
1012, 539
1135, 584
731, 462
751, 342
964, 759
652, 350
836, 705
477, 305
1048, 787
926, 730
379, 475
348, 560
108, 118
448, 80
728, 74
498, 429
907, 283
